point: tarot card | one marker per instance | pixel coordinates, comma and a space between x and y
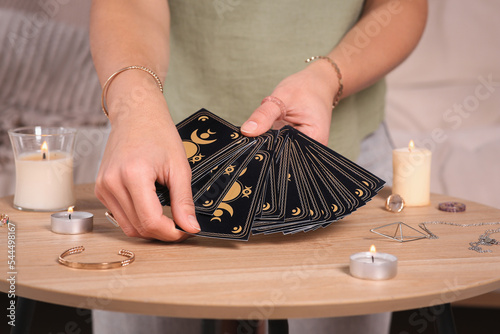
276, 191
205, 136
233, 217
211, 193
338, 161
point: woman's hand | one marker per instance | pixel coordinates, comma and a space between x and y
308, 97
144, 147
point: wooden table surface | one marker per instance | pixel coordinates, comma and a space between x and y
273, 277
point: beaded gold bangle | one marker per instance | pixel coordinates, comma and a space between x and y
112, 76
339, 76
100, 265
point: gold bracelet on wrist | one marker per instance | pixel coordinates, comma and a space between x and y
339, 77
101, 265
112, 76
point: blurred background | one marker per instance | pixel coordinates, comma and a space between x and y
445, 96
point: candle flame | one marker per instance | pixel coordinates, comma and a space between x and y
45, 149
373, 250
70, 209
411, 145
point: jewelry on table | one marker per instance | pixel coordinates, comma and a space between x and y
394, 203
451, 206
483, 240
401, 233
4, 219
96, 265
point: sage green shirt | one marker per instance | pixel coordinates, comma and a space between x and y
227, 55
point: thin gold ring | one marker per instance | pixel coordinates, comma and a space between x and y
95, 265
277, 102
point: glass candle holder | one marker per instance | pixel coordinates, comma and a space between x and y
44, 168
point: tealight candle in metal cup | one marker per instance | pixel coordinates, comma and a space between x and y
72, 222
373, 265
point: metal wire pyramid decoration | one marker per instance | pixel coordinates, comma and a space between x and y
402, 233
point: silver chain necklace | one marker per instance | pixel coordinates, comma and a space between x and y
484, 239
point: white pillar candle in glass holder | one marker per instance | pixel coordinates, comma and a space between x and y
44, 168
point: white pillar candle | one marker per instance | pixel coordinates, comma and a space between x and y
44, 184
44, 168
412, 175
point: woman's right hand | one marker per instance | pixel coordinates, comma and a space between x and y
144, 147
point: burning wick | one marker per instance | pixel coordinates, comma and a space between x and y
411, 145
373, 250
70, 211
45, 149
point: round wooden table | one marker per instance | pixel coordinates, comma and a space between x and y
268, 277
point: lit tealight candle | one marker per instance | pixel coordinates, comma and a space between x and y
72, 222
373, 265
412, 174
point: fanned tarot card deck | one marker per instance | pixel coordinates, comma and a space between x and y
282, 181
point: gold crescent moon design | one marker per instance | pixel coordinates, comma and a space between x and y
259, 157
243, 172
296, 211
208, 203
202, 141
190, 148
266, 206
234, 135
311, 212
366, 183
335, 207
227, 207
216, 218
359, 192
203, 118
237, 229
233, 192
